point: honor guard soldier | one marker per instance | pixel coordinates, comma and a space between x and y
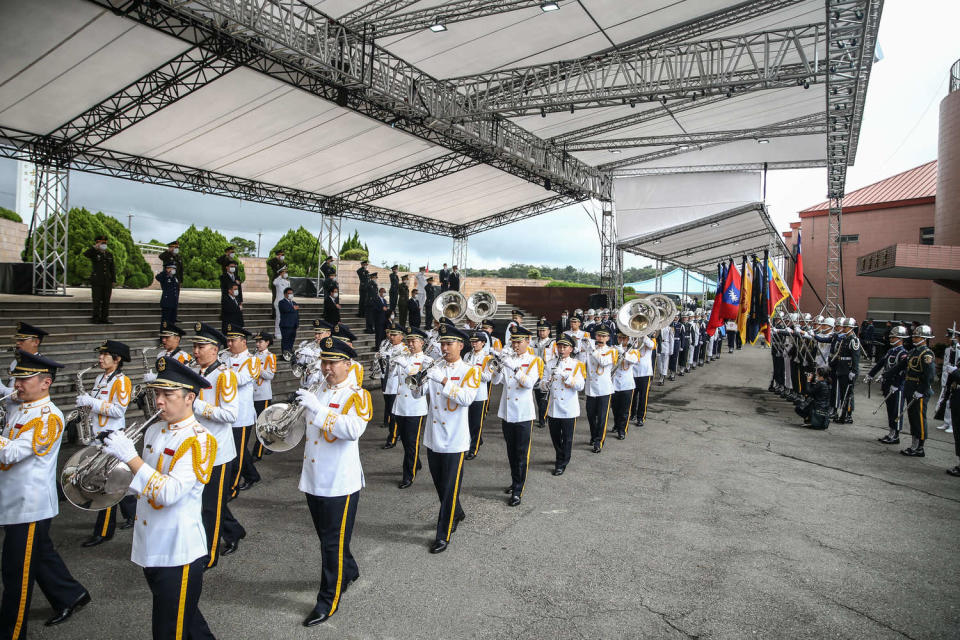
389, 354
518, 373
363, 275
543, 348
918, 387
624, 387
410, 408
169, 479
665, 352
890, 372
216, 408
103, 275
678, 331
953, 397
642, 375
29, 446
563, 379
601, 359
480, 357
451, 389
108, 402
951, 359
336, 416
846, 366
263, 391
246, 367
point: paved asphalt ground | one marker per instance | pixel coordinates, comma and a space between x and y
721, 518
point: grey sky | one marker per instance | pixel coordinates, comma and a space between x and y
899, 132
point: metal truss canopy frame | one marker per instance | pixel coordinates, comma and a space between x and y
50, 228
458, 257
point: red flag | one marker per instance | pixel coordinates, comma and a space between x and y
726, 305
796, 287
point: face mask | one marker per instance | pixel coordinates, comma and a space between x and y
289, 296
176, 251
232, 269
102, 246
280, 258
172, 271
230, 254
233, 293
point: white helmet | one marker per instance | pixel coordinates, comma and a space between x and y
591, 312
819, 320
807, 317
794, 317
899, 332
923, 331
829, 322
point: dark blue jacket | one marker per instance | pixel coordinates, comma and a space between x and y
171, 290
289, 316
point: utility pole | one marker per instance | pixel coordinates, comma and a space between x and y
129, 220
259, 233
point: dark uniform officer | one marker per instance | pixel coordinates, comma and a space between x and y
891, 375
845, 363
953, 389
103, 276
172, 256
371, 309
364, 275
229, 255
170, 296
394, 290
918, 387
274, 264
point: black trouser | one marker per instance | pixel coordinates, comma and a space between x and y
394, 294
955, 411
672, 363
777, 368
844, 395
731, 340
894, 407
411, 430
363, 307
401, 315
287, 337
218, 522
475, 415
176, 598
100, 293
682, 363
28, 555
561, 432
168, 314
447, 472
796, 376
258, 407
541, 399
638, 409
333, 519
620, 403
597, 409
388, 421
917, 414
517, 437
242, 465
107, 519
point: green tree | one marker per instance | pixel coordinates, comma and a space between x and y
132, 270
300, 252
200, 249
533, 274
353, 249
244, 247
7, 214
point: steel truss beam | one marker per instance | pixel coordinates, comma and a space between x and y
446, 13
746, 166
458, 256
689, 251
160, 88
375, 11
518, 213
329, 241
404, 179
722, 216
764, 60
50, 226
611, 256
296, 44
707, 137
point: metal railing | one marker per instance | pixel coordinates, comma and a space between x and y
955, 76
146, 247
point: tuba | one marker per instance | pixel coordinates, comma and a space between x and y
451, 305
480, 306
638, 318
94, 480
81, 415
666, 307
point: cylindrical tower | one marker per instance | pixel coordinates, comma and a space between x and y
945, 303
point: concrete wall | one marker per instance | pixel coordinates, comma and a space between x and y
13, 235
349, 282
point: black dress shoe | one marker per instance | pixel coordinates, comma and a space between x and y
639, 423
889, 440
230, 547
621, 435
244, 485
470, 456
508, 490
405, 484
913, 453
513, 501
346, 585
389, 445
596, 448
456, 521
540, 425
127, 524
439, 546
64, 614
955, 471
93, 541
559, 471
315, 618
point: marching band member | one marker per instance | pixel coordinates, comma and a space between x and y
581, 339
263, 391
642, 375
891, 375
600, 360
516, 321
390, 352
480, 357
170, 335
169, 480
563, 378
108, 402
518, 374
342, 332
495, 345
544, 348
27, 339
246, 367
336, 415
451, 389
29, 446
409, 410
624, 386
216, 409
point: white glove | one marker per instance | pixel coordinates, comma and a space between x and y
149, 376
917, 395
568, 380
852, 376
436, 375
310, 402
84, 400
120, 446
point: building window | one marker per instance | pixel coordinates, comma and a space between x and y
850, 237
926, 235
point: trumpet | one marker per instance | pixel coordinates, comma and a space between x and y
94, 480
3, 407
498, 362
416, 380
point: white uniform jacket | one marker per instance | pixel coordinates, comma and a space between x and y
178, 461
482, 361
644, 365
600, 362
447, 428
111, 397
406, 403
263, 390
216, 409
546, 349
581, 340
563, 379
516, 400
666, 340
331, 455
394, 375
622, 376
246, 366
28, 462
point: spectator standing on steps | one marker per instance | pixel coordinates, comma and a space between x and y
103, 276
363, 274
229, 255
331, 306
231, 307
413, 310
394, 287
289, 321
172, 255
401, 302
230, 278
170, 298
279, 284
275, 265
454, 279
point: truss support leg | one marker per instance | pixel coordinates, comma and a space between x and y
459, 256
611, 257
834, 273
50, 226
329, 241
658, 283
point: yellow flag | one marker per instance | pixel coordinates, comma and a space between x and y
779, 291
746, 295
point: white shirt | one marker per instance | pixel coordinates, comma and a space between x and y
516, 400
622, 376
169, 486
599, 363
644, 365
216, 409
28, 462
666, 340
331, 455
111, 397
263, 390
563, 387
447, 429
406, 403
247, 368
